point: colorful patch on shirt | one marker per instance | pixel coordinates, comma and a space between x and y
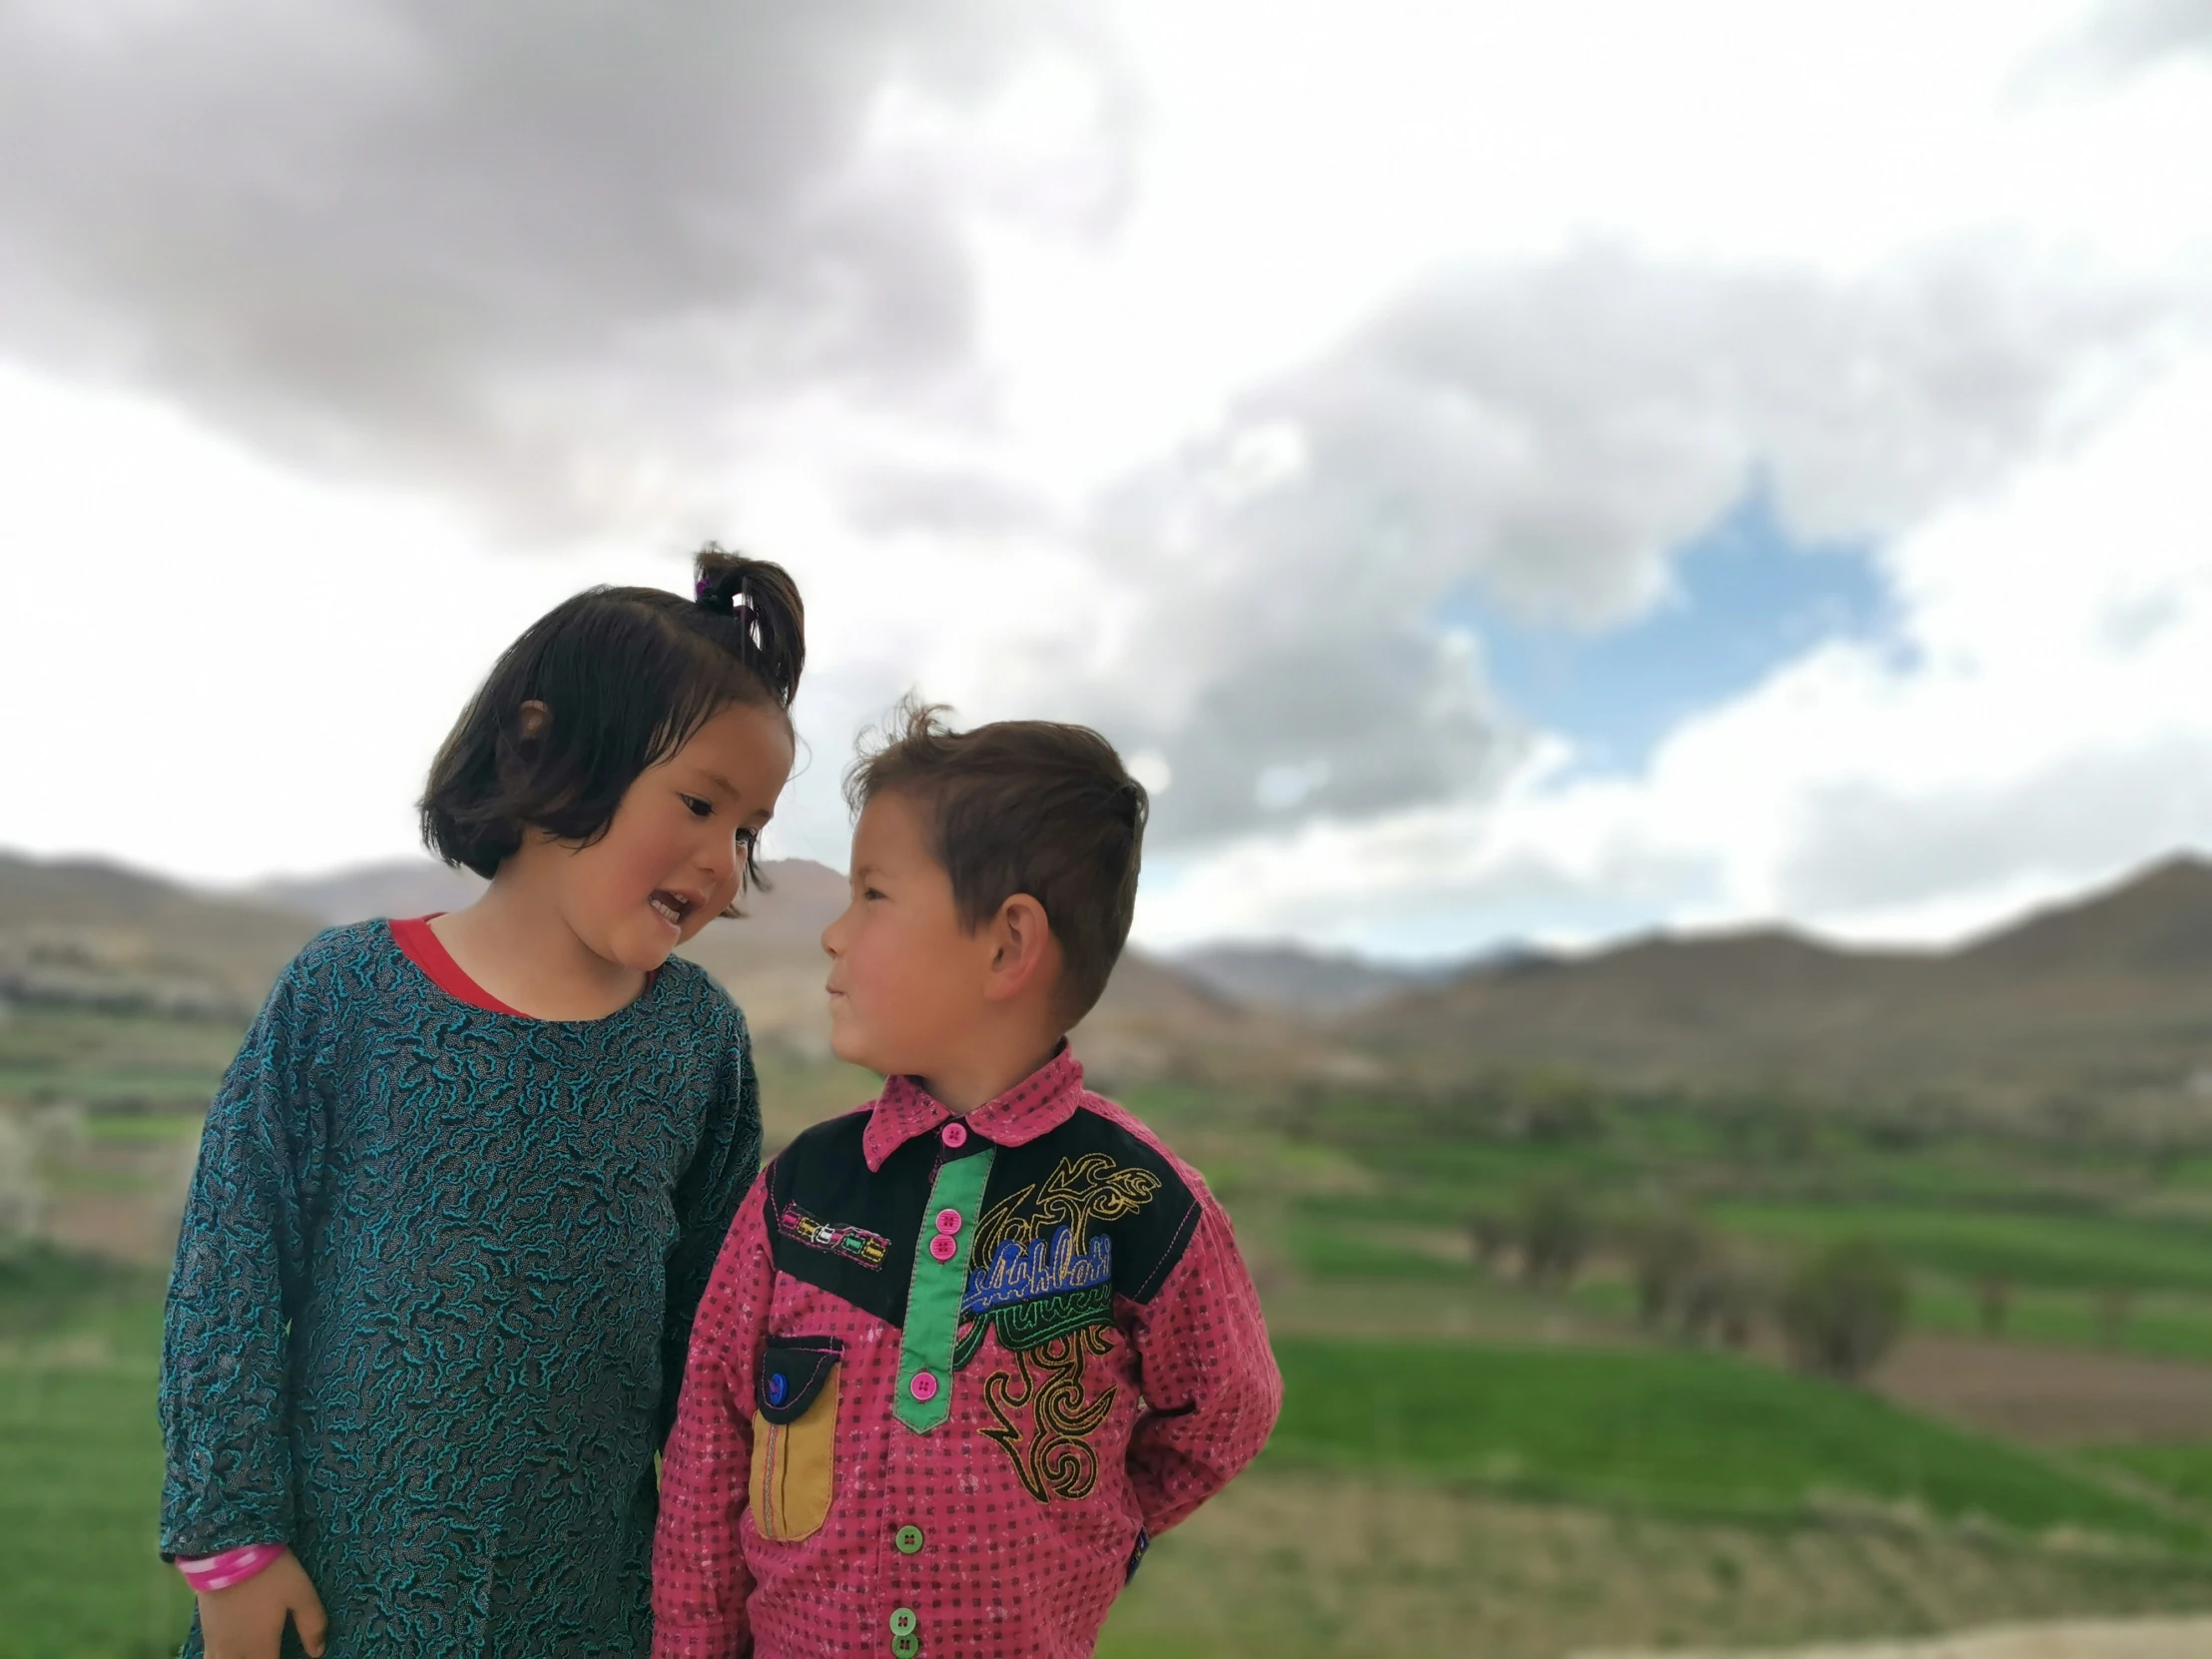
855, 1244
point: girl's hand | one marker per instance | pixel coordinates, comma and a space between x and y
247, 1622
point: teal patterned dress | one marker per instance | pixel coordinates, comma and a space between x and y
433, 1295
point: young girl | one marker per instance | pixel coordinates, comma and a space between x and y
461, 1189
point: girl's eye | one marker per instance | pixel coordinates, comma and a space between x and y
871, 892
698, 808
748, 838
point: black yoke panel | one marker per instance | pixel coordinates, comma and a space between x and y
1082, 1194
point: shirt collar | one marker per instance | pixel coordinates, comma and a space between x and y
1040, 1102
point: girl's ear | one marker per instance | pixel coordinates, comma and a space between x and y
535, 715
1023, 950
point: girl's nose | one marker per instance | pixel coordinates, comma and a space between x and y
723, 859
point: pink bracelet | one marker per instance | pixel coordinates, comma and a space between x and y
232, 1566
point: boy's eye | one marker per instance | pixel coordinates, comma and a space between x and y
748, 838
871, 892
698, 808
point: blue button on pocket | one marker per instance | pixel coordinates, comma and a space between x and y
778, 1386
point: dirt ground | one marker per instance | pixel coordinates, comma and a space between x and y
2110, 1639
2050, 1395
1301, 1566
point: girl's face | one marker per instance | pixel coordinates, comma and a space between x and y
674, 857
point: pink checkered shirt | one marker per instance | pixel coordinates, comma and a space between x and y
963, 1370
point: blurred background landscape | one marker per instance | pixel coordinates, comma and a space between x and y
1655, 560
1719, 1287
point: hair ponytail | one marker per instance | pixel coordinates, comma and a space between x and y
765, 626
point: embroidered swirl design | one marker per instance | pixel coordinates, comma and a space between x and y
1056, 1459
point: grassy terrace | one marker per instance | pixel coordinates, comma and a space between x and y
1459, 1456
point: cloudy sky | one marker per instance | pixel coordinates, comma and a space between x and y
1504, 471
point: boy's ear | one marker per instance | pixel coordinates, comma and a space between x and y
1023, 950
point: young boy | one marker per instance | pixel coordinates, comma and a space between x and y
968, 1348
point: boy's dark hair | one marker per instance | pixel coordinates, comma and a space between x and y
1023, 807
626, 675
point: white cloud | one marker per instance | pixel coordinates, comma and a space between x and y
2044, 720
1166, 378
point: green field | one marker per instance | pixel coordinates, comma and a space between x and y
1461, 1452
1692, 1433
2184, 1470
80, 1488
2054, 1249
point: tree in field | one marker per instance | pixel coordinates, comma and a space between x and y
1668, 1253
1843, 1309
1491, 1235
2113, 1310
1994, 1299
19, 1177
1555, 1235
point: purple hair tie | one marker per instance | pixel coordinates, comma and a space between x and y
710, 595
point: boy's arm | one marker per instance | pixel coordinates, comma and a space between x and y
241, 1272
707, 1197
700, 1579
1211, 1388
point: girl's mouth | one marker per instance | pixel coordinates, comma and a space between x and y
671, 907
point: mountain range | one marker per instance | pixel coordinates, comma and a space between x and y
2105, 999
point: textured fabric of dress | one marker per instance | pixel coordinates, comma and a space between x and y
433, 1294
1102, 1369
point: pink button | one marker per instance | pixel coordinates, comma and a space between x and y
924, 1385
953, 1133
944, 1246
948, 1220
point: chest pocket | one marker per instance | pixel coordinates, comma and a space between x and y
794, 1435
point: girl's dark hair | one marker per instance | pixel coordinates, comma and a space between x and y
1022, 807
626, 675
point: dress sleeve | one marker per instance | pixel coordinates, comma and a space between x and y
707, 1195
241, 1276
699, 1577
1211, 1388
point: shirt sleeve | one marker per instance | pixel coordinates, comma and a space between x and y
699, 1577
1212, 1390
707, 1197
241, 1276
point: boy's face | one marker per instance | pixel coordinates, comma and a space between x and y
906, 980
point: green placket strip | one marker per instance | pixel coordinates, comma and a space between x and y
933, 1302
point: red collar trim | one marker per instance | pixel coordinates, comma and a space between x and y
427, 951
1040, 1102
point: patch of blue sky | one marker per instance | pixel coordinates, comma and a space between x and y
1744, 600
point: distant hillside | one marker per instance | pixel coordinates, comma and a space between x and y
2109, 996
1294, 979
94, 933
98, 935
2107, 1000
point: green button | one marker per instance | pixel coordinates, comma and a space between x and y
905, 1646
908, 1540
903, 1622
